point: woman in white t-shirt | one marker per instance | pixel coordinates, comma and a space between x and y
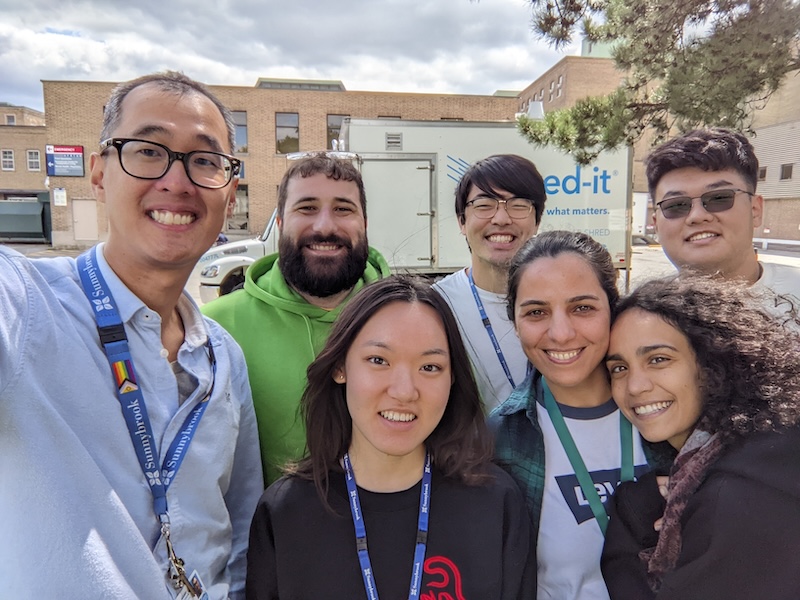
560, 435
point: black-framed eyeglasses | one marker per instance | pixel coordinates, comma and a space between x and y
714, 201
144, 159
484, 207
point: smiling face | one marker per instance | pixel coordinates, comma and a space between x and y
323, 244
167, 223
397, 376
654, 377
709, 242
562, 317
494, 242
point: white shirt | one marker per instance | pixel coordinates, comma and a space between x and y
570, 541
783, 280
493, 383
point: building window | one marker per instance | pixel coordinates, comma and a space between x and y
7, 160
11, 120
34, 161
334, 129
762, 173
388, 116
240, 127
786, 171
287, 133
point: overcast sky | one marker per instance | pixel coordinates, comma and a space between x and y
452, 46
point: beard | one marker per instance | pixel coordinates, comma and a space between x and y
322, 276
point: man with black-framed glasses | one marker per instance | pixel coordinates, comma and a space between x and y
499, 203
705, 207
129, 449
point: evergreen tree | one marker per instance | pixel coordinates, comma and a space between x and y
688, 63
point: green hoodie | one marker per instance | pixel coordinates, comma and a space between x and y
280, 334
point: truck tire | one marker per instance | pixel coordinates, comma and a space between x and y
234, 281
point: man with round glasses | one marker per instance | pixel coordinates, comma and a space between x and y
128, 439
703, 186
499, 204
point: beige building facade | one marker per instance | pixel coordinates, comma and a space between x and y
279, 116
272, 119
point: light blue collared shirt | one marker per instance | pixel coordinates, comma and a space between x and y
77, 513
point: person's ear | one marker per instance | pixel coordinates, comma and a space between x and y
339, 376
758, 210
96, 172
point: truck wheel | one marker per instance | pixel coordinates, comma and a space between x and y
232, 282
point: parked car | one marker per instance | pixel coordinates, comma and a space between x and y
638, 239
222, 267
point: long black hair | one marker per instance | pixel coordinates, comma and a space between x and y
460, 446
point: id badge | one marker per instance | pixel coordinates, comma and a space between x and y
198, 591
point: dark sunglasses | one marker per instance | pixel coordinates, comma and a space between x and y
714, 202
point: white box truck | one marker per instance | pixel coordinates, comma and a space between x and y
410, 171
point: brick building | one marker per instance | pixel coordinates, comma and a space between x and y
24, 200
273, 118
278, 116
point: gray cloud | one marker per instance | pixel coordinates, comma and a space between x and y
451, 46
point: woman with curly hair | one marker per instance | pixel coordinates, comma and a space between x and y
698, 363
397, 496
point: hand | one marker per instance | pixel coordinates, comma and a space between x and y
663, 489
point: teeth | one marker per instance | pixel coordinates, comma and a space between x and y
701, 236
500, 238
563, 355
391, 415
324, 247
166, 217
648, 409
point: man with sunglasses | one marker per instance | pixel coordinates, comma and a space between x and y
499, 203
128, 441
705, 207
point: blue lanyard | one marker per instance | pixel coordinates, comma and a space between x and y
488, 324
129, 393
361, 531
576, 460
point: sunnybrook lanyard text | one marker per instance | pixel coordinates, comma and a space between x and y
159, 476
361, 531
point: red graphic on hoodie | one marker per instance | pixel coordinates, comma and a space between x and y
446, 580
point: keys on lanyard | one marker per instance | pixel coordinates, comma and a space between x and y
176, 572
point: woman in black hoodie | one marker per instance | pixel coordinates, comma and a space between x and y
700, 364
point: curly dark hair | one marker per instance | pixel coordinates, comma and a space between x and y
460, 445
748, 358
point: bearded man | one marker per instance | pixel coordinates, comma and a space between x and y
282, 317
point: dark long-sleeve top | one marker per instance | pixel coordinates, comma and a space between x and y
740, 529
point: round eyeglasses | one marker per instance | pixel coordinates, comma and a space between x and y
149, 160
714, 201
484, 207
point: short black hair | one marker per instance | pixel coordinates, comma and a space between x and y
710, 149
172, 82
509, 172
